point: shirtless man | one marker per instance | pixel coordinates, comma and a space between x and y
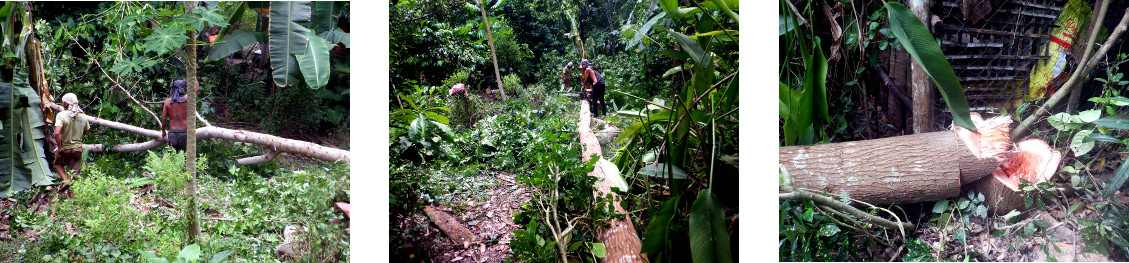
175, 115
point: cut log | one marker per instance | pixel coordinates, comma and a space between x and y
271, 142
904, 169
926, 167
619, 238
449, 225
1034, 161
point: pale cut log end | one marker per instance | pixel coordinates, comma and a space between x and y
1034, 161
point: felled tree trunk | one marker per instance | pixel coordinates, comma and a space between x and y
926, 167
271, 142
904, 169
620, 239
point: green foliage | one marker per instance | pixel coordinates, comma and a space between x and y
802, 237
190, 254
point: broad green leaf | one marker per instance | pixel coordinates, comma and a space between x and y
287, 38
611, 173
725, 9
220, 257
675, 54
941, 206
1010, 215
1100, 137
1118, 179
709, 235
324, 16
669, 6
672, 71
1115, 101
1118, 124
599, 250
315, 63
34, 156
659, 170
335, 36
828, 230
1090, 115
629, 131
690, 46
1079, 145
165, 39
658, 229
14, 176
820, 83
919, 43
235, 41
190, 253
644, 30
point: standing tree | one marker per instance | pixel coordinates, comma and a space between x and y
490, 38
190, 158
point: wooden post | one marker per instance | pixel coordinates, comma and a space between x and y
922, 85
620, 239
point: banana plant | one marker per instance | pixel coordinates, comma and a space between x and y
299, 37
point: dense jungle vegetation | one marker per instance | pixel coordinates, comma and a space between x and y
509, 167
119, 58
833, 88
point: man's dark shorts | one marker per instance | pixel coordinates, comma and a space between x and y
70, 159
178, 139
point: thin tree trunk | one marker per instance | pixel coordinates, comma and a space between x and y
490, 38
1095, 26
620, 239
922, 85
190, 157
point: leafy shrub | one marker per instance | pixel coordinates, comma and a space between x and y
513, 85
465, 110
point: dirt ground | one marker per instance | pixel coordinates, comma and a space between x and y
490, 220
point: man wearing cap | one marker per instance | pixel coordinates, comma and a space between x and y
70, 125
593, 83
175, 115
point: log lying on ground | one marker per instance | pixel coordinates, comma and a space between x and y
917, 168
273, 143
450, 226
1034, 161
620, 239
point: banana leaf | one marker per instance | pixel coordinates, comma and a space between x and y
919, 43
287, 38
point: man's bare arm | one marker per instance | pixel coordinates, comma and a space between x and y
59, 136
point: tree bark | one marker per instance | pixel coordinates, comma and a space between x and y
450, 226
190, 157
922, 88
620, 239
490, 38
904, 169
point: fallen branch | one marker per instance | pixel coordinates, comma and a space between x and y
800, 194
1076, 79
450, 226
271, 142
257, 159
